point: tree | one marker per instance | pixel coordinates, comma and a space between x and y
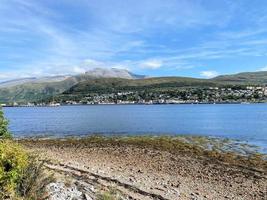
4, 133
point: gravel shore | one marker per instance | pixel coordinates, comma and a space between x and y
137, 172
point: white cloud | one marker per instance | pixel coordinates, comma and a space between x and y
151, 64
4, 76
263, 68
52, 69
78, 70
209, 74
121, 34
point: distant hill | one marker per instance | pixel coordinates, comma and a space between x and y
104, 85
108, 80
115, 84
34, 91
244, 78
32, 80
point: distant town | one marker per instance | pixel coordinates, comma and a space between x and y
209, 95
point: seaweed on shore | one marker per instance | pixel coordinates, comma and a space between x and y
213, 149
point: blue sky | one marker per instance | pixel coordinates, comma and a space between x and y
198, 38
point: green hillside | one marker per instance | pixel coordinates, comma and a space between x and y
106, 85
30, 92
244, 78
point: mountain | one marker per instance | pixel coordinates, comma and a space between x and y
32, 80
94, 73
244, 78
108, 80
16, 82
35, 89
113, 73
106, 85
115, 84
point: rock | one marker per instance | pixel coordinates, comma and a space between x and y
87, 197
59, 191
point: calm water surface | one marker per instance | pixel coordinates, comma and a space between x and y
244, 122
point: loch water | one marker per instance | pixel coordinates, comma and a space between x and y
246, 122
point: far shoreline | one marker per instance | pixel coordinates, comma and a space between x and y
137, 104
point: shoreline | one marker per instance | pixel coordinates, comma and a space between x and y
233, 145
210, 146
146, 168
136, 104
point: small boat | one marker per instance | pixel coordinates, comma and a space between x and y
54, 104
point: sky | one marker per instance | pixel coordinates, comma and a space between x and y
195, 38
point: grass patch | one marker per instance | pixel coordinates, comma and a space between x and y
109, 194
34, 180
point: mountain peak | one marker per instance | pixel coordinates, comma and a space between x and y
113, 73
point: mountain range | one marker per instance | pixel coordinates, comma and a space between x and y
35, 89
94, 73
